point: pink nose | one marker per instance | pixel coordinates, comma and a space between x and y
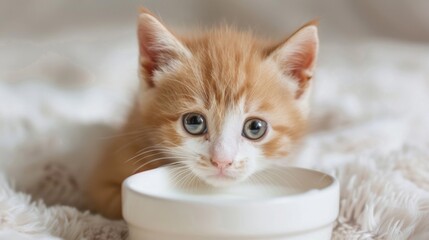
221, 163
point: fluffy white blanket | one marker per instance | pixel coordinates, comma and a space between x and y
370, 128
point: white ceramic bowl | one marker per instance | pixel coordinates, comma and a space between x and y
297, 204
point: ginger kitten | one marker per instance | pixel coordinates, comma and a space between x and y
223, 104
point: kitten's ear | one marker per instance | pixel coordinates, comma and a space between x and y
297, 56
160, 50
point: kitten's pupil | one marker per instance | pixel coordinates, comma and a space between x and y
255, 126
194, 123
254, 129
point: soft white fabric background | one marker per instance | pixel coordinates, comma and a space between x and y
68, 72
40, 19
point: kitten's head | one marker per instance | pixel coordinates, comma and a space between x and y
223, 102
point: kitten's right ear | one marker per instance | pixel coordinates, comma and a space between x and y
159, 48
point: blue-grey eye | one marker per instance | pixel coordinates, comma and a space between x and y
194, 123
254, 129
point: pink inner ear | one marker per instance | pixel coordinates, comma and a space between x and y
148, 56
297, 55
154, 52
158, 47
300, 63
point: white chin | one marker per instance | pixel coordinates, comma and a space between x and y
221, 181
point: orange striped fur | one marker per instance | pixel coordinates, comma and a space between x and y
226, 75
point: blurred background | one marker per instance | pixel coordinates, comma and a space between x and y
68, 74
41, 19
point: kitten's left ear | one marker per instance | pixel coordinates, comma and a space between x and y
297, 56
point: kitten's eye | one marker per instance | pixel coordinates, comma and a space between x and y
194, 123
254, 129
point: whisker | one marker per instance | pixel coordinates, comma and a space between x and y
188, 178
124, 134
130, 142
151, 161
176, 175
291, 177
183, 176
176, 171
140, 154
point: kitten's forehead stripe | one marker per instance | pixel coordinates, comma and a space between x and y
224, 74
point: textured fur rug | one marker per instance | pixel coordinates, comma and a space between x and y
370, 127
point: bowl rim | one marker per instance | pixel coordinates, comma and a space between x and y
126, 186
